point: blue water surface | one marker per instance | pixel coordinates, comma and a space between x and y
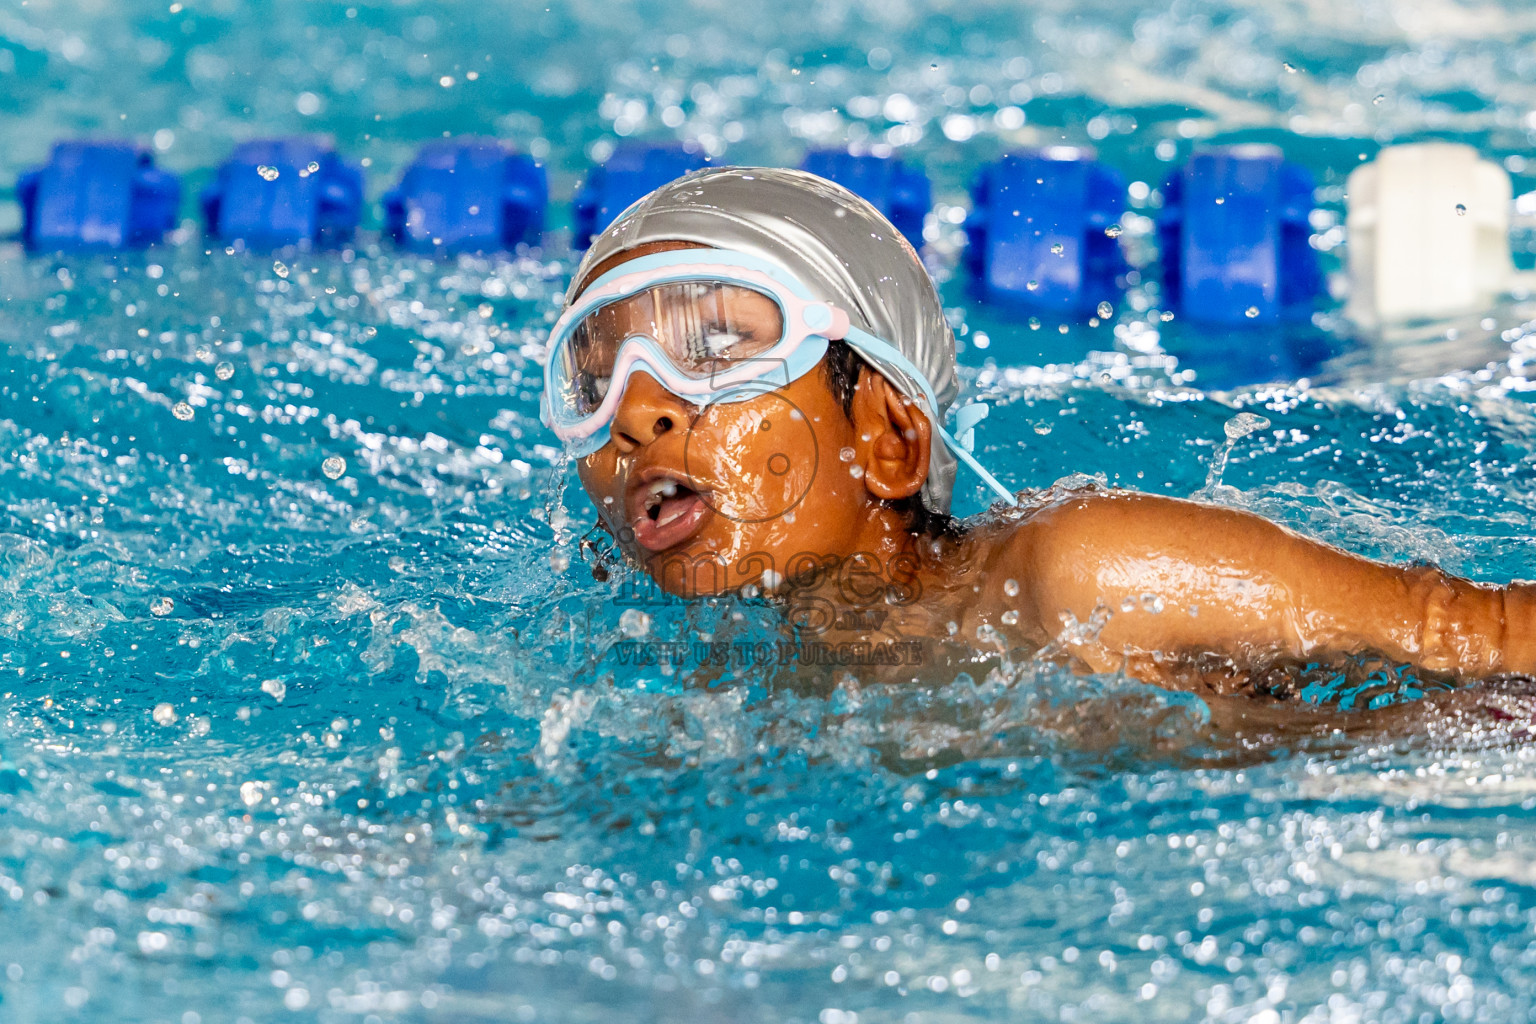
310, 706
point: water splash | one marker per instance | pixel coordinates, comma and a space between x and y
1235, 429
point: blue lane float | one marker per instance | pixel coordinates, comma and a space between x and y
1042, 230
97, 195
1234, 231
634, 169
903, 194
468, 195
1234, 236
273, 193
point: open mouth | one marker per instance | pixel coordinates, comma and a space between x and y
664, 511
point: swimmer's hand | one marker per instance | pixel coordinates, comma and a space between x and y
1169, 579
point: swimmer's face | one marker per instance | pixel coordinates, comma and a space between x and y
735, 493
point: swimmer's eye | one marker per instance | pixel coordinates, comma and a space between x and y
592, 390
717, 343
710, 350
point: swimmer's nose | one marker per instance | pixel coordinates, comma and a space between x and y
646, 411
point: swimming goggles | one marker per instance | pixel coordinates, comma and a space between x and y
710, 326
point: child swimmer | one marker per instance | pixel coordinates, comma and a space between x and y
753, 369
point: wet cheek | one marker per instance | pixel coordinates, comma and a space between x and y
764, 464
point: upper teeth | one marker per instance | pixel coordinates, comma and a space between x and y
659, 489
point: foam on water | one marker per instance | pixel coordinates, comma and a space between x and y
313, 708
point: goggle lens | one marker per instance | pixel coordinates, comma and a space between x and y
704, 327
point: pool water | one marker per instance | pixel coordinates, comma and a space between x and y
311, 706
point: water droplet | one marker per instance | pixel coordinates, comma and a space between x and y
267, 173
165, 714
1379, 99
1166, 315
1113, 231
276, 688
1042, 428
1106, 311
1034, 323
1251, 312
397, 563
1221, 200
224, 370
634, 623
334, 467
182, 411
857, 472
1289, 67
1032, 285
250, 793
1243, 424
1152, 603
161, 606
1057, 248
1010, 617
1011, 588
1461, 210
280, 268
559, 560
847, 455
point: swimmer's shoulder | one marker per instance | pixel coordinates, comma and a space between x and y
1039, 555
1078, 496
1079, 538
1076, 522
1091, 501
1010, 540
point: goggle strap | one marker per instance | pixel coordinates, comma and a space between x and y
980, 470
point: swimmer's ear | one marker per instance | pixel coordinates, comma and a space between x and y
899, 437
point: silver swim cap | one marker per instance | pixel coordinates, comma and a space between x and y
836, 243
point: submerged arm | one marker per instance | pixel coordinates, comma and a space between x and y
1170, 577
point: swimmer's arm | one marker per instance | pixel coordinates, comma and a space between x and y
1176, 578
